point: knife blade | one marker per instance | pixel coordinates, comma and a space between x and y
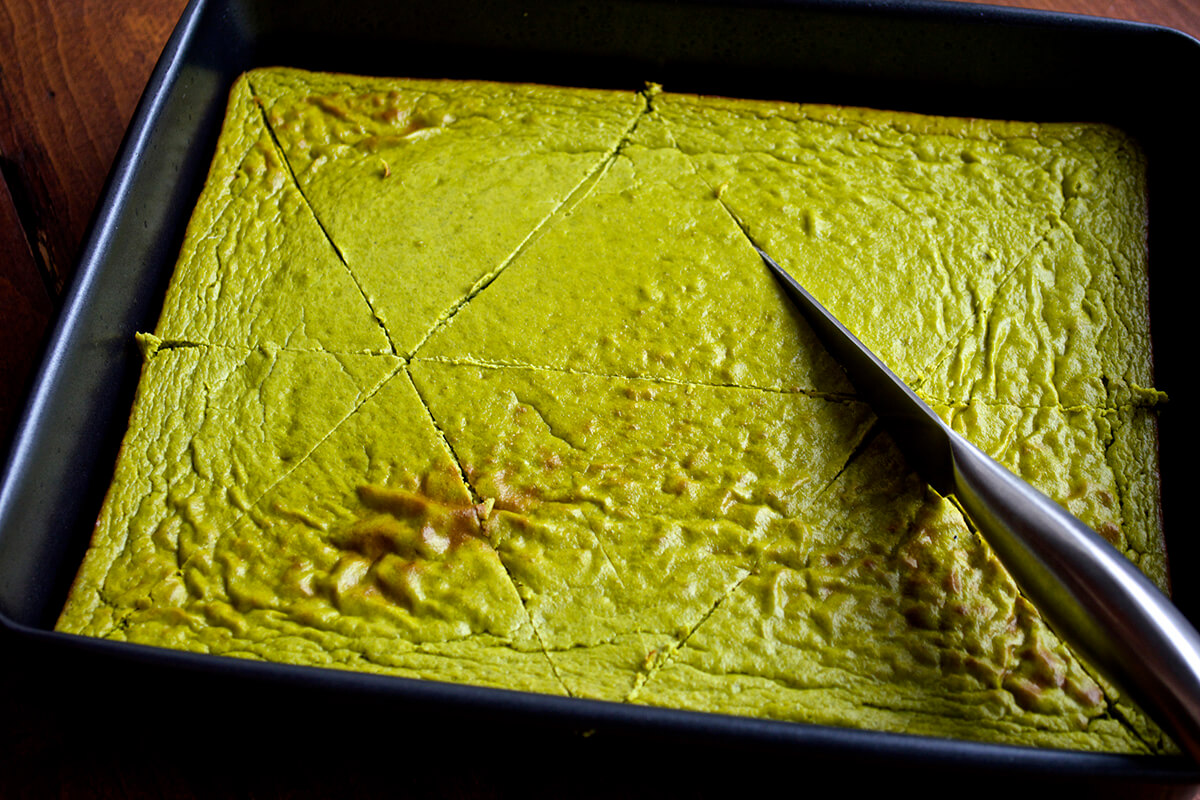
1088, 591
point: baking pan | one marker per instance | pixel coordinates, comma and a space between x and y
936, 58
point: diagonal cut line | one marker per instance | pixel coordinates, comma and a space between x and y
568, 203
954, 340
667, 658
462, 473
308, 204
252, 502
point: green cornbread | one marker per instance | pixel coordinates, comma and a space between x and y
213, 428
485, 383
892, 616
486, 164
649, 296
626, 509
255, 256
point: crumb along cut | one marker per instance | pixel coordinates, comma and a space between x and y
486, 383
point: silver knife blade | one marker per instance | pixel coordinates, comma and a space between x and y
1089, 592
918, 431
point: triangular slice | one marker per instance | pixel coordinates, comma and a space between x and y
626, 509
894, 617
902, 225
428, 187
256, 268
1083, 459
212, 428
680, 294
1070, 326
369, 555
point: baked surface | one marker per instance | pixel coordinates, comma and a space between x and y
485, 383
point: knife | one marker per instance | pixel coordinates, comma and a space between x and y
1091, 595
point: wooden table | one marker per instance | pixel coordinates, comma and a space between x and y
70, 77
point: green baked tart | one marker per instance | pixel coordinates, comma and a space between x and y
485, 383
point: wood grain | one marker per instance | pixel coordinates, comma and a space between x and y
25, 310
1183, 15
72, 75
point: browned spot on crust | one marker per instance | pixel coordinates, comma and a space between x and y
1110, 531
409, 521
509, 498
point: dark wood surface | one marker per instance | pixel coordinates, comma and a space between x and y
71, 73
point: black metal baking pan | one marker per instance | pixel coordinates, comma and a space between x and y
918, 56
